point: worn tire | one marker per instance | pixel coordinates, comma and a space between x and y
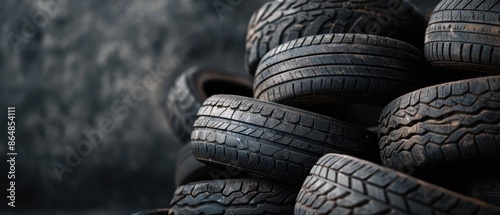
235, 196
272, 140
465, 34
340, 184
339, 69
277, 22
188, 169
192, 88
163, 211
442, 124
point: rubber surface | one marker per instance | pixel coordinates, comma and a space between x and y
442, 124
236, 196
163, 211
341, 184
188, 169
272, 140
465, 34
339, 68
485, 188
277, 22
192, 88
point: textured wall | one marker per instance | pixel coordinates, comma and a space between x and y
77, 64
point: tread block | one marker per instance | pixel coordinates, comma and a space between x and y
234, 196
287, 145
460, 124
469, 30
402, 194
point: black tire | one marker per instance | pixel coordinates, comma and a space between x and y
339, 69
277, 22
464, 34
272, 140
188, 169
341, 184
192, 88
442, 124
235, 196
485, 188
163, 211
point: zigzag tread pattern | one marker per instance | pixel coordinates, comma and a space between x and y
233, 196
465, 34
340, 184
446, 123
271, 139
339, 67
277, 22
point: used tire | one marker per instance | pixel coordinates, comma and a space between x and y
340, 184
277, 22
272, 140
339, 69
464, 34
442, 124
163, 211
188, 169
192, 88
235, 196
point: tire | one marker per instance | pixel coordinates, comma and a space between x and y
278, 22
442, 124
189, 170
163, 211
340, 184
192, 88
236, 196
464, 34
486, 188
339, 69
272, 140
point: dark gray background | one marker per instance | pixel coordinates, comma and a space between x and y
65, 76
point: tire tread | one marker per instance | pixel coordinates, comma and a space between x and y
340, 183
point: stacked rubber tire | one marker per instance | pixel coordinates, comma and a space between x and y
327, 76
447, 134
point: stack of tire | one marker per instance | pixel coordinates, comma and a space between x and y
447, 134
328, 74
